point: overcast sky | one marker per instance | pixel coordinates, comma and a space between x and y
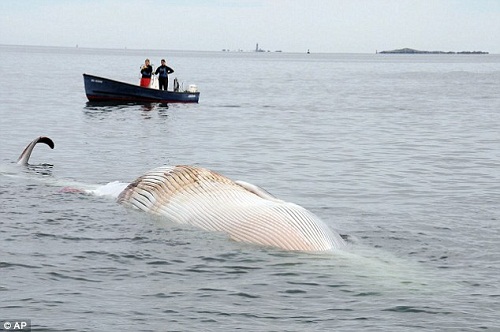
344, 26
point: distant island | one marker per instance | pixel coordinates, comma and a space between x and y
412, 51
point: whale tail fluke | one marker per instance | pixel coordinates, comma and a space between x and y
25, 155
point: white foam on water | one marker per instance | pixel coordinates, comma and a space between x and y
111, 189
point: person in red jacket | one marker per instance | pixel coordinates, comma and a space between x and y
146, 72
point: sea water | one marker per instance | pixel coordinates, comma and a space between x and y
399, 153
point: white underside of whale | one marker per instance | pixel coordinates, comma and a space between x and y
205, 199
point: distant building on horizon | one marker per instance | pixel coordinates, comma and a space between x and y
257, 49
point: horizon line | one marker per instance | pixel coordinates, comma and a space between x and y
187, 50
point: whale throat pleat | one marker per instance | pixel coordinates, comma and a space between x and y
205, 199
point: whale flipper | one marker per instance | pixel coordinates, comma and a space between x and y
258, 191
25, 156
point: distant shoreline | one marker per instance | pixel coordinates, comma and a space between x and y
79, 48
412, 51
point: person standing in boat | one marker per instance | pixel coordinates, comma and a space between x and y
163, 72
146, 72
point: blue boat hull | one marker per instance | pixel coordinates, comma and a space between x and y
103, 89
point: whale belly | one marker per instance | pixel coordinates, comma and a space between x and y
205, 199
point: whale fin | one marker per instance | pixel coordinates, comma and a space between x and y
25, 156
262, 193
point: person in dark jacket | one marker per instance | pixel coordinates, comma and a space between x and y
163, 72
146, 72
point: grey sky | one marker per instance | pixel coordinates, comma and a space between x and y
357, 26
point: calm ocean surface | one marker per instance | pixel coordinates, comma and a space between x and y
400, 153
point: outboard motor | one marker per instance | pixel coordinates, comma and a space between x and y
176, 85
